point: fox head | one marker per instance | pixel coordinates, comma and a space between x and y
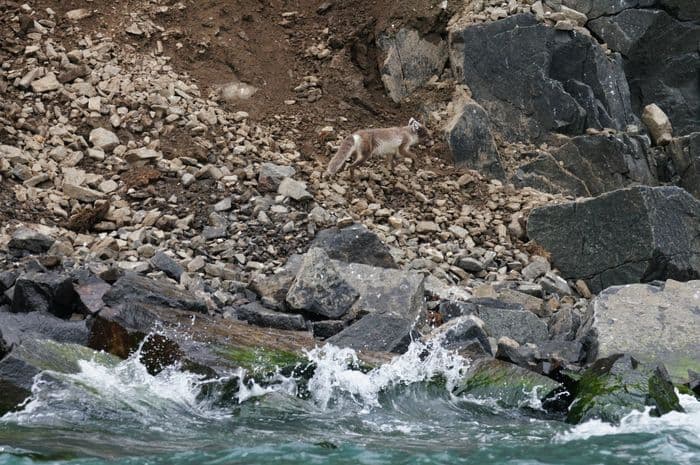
418, 129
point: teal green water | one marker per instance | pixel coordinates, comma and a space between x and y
393, 415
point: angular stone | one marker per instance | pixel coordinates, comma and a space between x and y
653, 324
18, 327
376, 332
555, 284
256, 314
84, 194
141, 155
30, 240
44, 292
163, 262
501, 319
354, 244
319, 288
471, 142
465, 334
78, 14
293, 189
326, 328
639, 234
135, 288
103, 139
270, 176
46, 84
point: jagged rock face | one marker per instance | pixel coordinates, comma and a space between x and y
134, 288
661, 61
592, 165
654, 324
45, 292
625, 236
533, 79
685, 154
410, 61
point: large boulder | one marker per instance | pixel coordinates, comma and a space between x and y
27, 240
533, 79
654, 324
511, 385
45, 292
136, 288
471, 142
597, 8
626, 236
319, 288
500, 318
614, 386
410, 60
684, 152
354, 244
661, 61
17, 327
591, 165
390, 304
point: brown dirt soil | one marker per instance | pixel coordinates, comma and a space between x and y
219, 41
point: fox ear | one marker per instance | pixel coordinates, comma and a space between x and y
413, 123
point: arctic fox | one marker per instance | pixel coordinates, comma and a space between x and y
383, 141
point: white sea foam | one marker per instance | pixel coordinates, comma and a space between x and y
642, 422
337, 372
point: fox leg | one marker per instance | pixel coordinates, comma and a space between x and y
363, 154
404, 150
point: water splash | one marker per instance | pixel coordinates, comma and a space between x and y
338, 374
642, 422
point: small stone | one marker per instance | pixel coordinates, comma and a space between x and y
555, 284
83, 194
78, 14
187, 179
103, 139
537, 268
293, 189
196, 264
582, 289
108, 186
223, 205
427, 227
46, 84
658, 124
470, 264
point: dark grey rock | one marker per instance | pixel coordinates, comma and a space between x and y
471, 142
26, 240
564, 324
377, 333
465, 334
7, 279
596, 8
327, 328
470, 264
4, 346
44, 292
545, 174
517, 69
319, 288
625, 236
354, 244
685, 10
90, 290
19, 326
270, 176
684, 153
214, 232
554, 284
653, 324
256, 314
501, 319
135, 288
410, 60
163, 262
661, 61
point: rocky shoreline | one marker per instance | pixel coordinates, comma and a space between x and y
563, 253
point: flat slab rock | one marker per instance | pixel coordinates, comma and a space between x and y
632, 235
653, 324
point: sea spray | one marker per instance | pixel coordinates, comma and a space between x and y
338, 372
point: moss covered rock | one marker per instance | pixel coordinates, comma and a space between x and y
616, 385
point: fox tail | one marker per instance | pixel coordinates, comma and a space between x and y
345, 151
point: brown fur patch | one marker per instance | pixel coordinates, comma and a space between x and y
85, 219
533, 248
140, 177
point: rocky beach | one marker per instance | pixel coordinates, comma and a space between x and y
163, 210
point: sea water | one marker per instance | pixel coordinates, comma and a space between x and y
394, 414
